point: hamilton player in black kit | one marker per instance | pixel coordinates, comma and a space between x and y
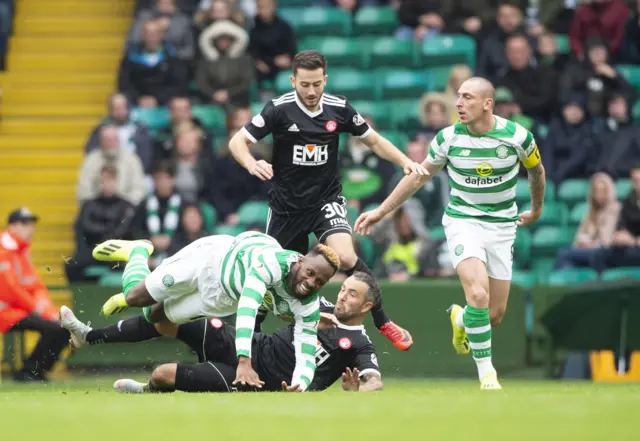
305, 196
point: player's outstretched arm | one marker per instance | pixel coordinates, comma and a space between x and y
239, 148
371, 382
382, 147
305, 336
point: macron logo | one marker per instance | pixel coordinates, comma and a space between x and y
294, 128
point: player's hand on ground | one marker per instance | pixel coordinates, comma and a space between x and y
287, 388
527, 218
415, 168
262, 169
351, 380
246, 376
327, 321
366, 221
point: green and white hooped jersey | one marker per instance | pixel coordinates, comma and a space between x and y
254, 272
483, 169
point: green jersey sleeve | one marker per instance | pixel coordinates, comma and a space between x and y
305, 337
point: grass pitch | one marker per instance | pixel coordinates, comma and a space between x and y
89, 410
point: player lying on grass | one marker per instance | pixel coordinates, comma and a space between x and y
344, 350
217, 276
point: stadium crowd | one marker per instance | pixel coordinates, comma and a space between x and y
195, 71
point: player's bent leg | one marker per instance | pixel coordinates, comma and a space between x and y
499, 295
342, 244
163, 379
156, 314
115, 250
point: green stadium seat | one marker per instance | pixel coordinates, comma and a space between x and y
562, 42
522, 247
378, 111
352, 214
253, 212
231, 230
96, 271
573, 191
368, 249
317, 20
405, 114
372, 20
631, 74
572, 276
155, 119
283, 83
554, 213
542, 267
399, 139
623, 188
353, 83
621, 273
208, 216
338, 51
113, 278
524, 279
548, 240
436, 233
213, 117
401, 83
446, 50
289, 3
577, 213
256, 108
439, 77
636, 112
389, 51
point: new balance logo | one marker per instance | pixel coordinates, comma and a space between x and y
294, 128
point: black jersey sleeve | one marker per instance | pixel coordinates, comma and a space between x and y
365, 359
326, 305
261, 124
356, 125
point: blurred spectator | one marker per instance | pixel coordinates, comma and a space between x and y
619, 141
364, 175
626, 240
507, 107
130, 172
458, 75
212, 11
192, 167
25, 304
181, 115
533, 86
630, 50
272, 42
470, 17
595, 76
351, 6
134, 137
191, 228
225, 73
555, 16
596, 228
176, 25
434, 114
421, 18
569, 143
107, 216
230, 185
158, 216
492, 57
548, 53
150, 72
598, 18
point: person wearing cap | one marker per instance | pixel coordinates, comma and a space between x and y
24, 300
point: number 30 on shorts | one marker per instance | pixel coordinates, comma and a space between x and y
333, 209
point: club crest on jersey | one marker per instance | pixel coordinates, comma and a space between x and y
358, 120
310, 155
331, 126
216, 323
502, 151
258, 121
344, 343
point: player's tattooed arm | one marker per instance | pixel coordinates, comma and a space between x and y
537, 184
371, 382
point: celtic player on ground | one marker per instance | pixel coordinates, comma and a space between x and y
482, 153
217, 276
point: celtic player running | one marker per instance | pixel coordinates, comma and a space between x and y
483, 154
217, 276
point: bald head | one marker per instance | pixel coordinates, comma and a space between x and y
480, 86
476, 100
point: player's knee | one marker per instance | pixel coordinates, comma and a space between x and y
164, 376
479, 296
495, 315
138, 295
166, 329
157, 314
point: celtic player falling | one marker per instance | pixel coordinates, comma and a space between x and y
482, 153
221, 275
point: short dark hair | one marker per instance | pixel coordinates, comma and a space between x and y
164, 166
309, 60
373, 289
109, 170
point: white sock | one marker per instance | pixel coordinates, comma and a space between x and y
485, 366
459, 318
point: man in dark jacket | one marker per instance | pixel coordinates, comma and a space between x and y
104, 217
150, 72
420, 18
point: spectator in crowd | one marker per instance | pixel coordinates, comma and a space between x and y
150, 72
619, 141
176, 26
492, 59
130, 172
533, 86
134, 136
422, 18
598, 18
192, 166
548, 54
458, 75
229, 185
597, 77
181, 115
212, 11
225, 73
630, 50
364, 176
351, 6
106, 216
158, 216
191, 228
626, 240
25, 304
569, 144
434, 114
470, 17
507, 107
555, 16
596, 228
272, 42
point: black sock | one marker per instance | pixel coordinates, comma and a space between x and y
379, 317
131, 330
